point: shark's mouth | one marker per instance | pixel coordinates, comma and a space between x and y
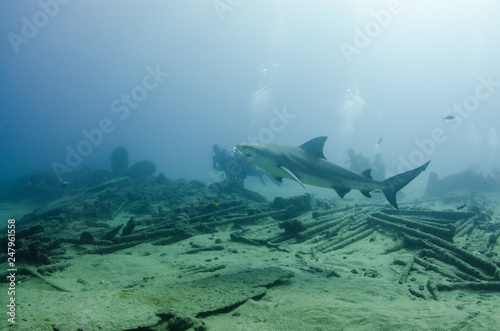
248, 152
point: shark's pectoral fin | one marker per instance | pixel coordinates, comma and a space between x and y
341, 191
288, 171
279, 179
366, 194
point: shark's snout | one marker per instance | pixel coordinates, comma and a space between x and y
246, 150
251, 153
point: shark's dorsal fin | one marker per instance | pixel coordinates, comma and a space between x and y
367, 173
288, 171
315, 147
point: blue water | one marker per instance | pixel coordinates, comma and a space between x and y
168, 79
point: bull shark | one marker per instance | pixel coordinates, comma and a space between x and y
306, 164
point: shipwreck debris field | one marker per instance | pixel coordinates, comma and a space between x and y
153, 252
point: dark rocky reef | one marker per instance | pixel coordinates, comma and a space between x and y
40, 186
119, 165
467, 180
45, 186
292, 227
295, 205
141, 169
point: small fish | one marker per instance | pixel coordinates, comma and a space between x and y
461, 207
217, 204
379, 141
449, 117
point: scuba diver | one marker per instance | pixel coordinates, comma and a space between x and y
358, 162
219, 158
236, 167
229, 164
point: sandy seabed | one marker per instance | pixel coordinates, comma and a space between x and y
135, 288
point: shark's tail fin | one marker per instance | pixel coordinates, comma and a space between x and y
396, 183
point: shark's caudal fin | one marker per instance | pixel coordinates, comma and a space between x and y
396, 183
